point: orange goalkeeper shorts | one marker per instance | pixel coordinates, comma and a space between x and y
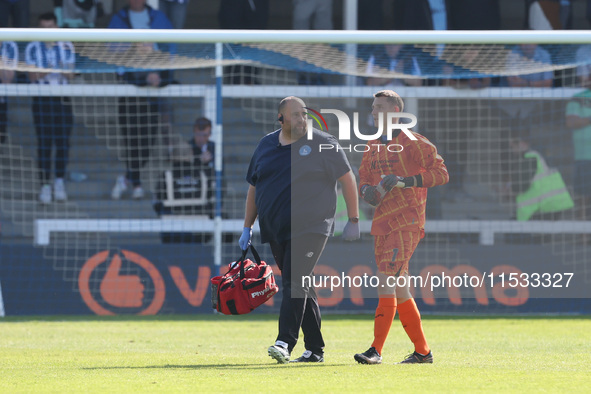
393, 251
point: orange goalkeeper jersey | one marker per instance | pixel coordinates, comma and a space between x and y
402, 208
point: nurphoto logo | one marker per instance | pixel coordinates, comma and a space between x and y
344, 134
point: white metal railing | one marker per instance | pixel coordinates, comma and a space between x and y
302, 36
279, 91
486, 229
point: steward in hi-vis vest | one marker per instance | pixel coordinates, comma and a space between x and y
546, 193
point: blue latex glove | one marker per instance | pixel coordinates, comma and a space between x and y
244, 240
351, 231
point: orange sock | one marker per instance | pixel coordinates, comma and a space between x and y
411, 321
383, 321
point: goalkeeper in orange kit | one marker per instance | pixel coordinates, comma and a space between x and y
395, 181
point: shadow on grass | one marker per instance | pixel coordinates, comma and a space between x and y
221, 366
268, 317
137, 318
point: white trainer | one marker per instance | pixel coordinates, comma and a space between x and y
59, 190
279, 353
138, 193
45, 194
119, 188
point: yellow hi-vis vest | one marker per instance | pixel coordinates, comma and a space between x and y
546, 193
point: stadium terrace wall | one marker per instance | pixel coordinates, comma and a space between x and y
141, 279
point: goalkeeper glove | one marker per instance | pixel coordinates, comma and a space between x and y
391, 181
372, 194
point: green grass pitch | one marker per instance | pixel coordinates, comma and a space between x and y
214, 353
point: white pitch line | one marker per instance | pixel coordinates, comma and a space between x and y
1, 302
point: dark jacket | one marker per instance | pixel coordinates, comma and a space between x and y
158, 19
240, 14
461, 15
197, 153
415, 15
474, 15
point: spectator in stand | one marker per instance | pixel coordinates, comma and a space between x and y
9, 51
548, 14
18, 10
203, 148
175, 10
470, 15
316, 15
529, 53
52, 115
447, 15
421, 14
370, 15
474, 15
552, 15
77, 13
424, 15
394, 58
312, 14
540, 191
583, 57
192, 165
518, 112
243, 14
139, 117
578, 120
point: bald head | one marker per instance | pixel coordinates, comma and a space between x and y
289, 99
293, 117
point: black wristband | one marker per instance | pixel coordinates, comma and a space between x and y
419, 179
409, 181
413, 181
354, 220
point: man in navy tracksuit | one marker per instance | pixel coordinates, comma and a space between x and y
293, 193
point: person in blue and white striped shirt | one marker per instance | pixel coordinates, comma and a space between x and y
9, 53
52, 114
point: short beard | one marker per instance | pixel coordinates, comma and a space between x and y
298, 132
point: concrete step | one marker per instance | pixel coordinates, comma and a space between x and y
11, 229
119, 209
22, 214
19, 193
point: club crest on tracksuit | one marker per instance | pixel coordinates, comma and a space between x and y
305, 150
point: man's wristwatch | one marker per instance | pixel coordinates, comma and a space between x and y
354, 220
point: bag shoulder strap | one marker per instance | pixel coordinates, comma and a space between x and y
256, 256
